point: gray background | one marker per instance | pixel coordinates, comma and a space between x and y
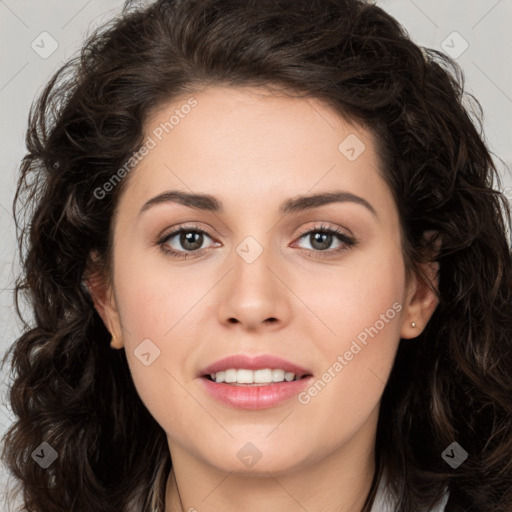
30, 29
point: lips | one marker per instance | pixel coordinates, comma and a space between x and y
254, 396
243, 361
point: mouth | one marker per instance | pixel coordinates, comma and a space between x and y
251, 381
252, 378
254, 388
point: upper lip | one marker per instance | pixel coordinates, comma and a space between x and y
254, 362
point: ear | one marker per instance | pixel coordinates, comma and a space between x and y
102, 295
422, 299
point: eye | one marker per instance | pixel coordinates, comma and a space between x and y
191, 239
322, 237
187, 241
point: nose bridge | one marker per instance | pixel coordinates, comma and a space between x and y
253, 293
251, 274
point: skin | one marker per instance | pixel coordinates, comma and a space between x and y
252, 150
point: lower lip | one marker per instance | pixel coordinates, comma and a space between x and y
255, 397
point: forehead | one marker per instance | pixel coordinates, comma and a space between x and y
249, 145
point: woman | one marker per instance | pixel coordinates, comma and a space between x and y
269, 270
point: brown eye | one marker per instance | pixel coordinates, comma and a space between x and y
322, 238
191, 240
183, 242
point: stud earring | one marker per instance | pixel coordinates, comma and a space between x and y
413, 324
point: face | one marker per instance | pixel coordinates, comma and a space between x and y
321, 285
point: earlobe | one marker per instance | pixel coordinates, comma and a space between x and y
116, 343
423, 289
422, 300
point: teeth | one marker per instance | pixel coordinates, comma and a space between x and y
243, 376
289, 376
278, 375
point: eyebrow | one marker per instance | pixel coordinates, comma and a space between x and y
210, 203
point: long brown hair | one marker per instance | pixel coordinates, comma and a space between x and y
452, 383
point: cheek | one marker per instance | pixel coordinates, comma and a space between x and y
355, 296
160, 308
156, 299
360, 308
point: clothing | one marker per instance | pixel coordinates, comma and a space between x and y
384, 501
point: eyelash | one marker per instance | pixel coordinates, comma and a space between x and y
347, 241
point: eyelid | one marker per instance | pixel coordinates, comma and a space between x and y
183, 227
195, 227
323, 226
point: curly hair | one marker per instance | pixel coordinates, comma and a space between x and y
73, 391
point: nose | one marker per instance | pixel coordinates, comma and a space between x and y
254, 293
